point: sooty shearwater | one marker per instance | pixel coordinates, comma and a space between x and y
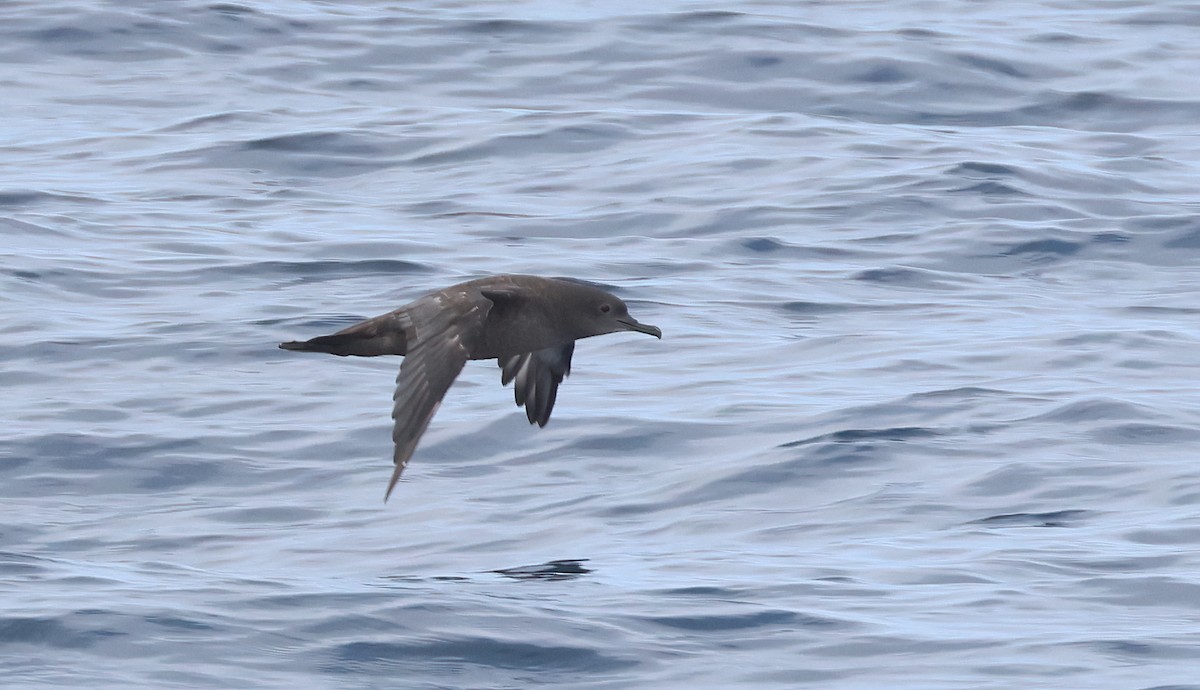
528, 323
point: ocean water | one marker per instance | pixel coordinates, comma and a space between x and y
925, 415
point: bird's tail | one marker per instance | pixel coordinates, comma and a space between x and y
371, 338
333, 344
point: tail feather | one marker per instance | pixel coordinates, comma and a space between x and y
341, 345
378, 336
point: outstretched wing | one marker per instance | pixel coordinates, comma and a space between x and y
536, 376
440, 331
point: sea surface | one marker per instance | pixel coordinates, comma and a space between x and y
926, 413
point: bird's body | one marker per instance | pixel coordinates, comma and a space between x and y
528, 323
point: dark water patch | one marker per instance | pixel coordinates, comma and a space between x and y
1046, 247
1180, 536
152, 544
313, 154
341, 143
518, 30
858, 435
481, 651
687, 22
317, 601
1128, 651
1008, 481
176, 473
1081, 111
965, 393
880, 72
341, 624
551, 570
568, 139
555, 140
20, 565
1173, 225
1145, 434
287, 515
1093, 339
357, 84
763, 60
720, 25
975, 169
704, 591
1174, 312
174, 622
232, 9
1189, 239
994, 65
1060, 38
905, 277
750, 67
620, 444
793, 678
991, 189
20, 199
814, 463
1091, 109
749, 218
48, 632
753, 219
1157, 591
763, 245
189, 248
214, 121
1056, 518
1092, 410
106, 351
815, 309
1149, 15
78, 452
921, 34
738, 621
1185, 498
139, 34
889, 645
1132, 564
96, 465
950, 577
470, 214
89, 283
60, 34
112, 36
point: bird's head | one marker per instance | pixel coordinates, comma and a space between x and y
595, 312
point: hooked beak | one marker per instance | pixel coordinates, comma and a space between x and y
633, 325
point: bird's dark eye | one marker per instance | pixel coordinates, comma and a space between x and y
605, 308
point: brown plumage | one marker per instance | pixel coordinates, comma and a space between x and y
528, 324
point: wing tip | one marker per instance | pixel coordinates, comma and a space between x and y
392, 483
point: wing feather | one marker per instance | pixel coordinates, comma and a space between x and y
440, 338
535, 377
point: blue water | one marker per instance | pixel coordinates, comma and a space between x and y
925, 415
